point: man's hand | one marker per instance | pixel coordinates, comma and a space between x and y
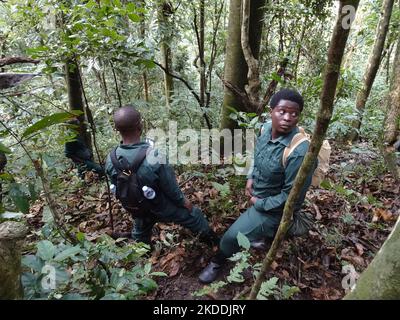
253, 200
249, 188
188, 205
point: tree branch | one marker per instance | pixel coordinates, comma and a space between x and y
13, 60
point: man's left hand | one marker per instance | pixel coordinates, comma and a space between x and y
253, 200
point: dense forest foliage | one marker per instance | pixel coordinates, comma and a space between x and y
204, 64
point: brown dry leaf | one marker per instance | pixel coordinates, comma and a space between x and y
213, 193
356, 260
285, 274
360, 249
274, 265
200, 196
318, 215
175, 267
382, 213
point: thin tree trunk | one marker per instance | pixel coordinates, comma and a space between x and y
392, 128
391, 125
146, 94
164, 13
235, 64
372, 67
332, 69
75, 98
381, 279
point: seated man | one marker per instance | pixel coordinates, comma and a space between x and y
269, 183
171, 204
81, 155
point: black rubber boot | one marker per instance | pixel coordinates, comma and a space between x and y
211, 272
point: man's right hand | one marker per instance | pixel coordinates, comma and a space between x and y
249, 188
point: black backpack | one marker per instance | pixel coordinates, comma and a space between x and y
128, 186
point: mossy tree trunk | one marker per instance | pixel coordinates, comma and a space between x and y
381, 279
331, 76
11, 235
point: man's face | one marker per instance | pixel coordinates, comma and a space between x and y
284, 117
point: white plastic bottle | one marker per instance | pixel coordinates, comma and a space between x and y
113, 188
148, 192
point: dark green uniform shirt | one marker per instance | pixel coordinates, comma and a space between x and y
154, 171
271, 181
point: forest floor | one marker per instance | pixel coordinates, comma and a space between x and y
354, 213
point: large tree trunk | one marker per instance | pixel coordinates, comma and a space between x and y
235, 65
164, 13
381, 280
372, 67
75, 98
11, 235
332, 69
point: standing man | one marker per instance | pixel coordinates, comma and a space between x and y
170, 205
269, 184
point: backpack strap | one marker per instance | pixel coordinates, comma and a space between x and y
297, 139
123, 164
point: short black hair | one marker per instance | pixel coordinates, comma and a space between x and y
287, 94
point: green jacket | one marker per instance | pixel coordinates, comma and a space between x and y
271, 181
152, 172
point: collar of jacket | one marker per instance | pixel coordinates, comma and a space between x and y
133, 145
285, 140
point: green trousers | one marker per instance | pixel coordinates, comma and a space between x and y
194, 221
256, 225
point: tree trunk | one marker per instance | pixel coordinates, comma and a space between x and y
381, 280
391, 125
372, 67
203, 83
332, 69
146, 95
75, 98
165, 11
392, 128
235, 64
11, 235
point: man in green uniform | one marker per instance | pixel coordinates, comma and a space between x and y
171, 206
80, 154
269, 183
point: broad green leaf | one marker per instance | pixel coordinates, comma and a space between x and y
45, 250
4, 149
134, 17
32, 262
68, 253
243, 241
19, 198
51, 120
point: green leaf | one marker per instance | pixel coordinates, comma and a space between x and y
68, 253
45, 250
4, 149
243, 241
80, 236
32, 262
19, 198
267, 288
134, 17
51, 120
6, 177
